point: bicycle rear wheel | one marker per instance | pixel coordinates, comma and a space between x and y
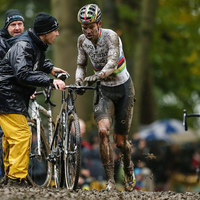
72, 152
39, 169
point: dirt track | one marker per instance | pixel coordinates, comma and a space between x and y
55, 194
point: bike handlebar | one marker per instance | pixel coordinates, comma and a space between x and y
39, 93
47, 95
74, 88
63, 76
185, 120
185, 116
86, 87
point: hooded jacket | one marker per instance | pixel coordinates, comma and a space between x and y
22, 70
4, 46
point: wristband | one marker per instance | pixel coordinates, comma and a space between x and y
79, 79
102, 74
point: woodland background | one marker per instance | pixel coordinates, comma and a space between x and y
161, 41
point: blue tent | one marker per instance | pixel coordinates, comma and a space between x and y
161, 130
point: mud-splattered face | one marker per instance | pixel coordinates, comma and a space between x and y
91, 31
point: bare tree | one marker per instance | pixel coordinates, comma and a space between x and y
65, 46
142, 75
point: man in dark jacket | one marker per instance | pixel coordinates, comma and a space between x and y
14, 25
22, 70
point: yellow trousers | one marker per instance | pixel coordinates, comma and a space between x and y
16, 145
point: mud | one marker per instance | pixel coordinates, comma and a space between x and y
52, 194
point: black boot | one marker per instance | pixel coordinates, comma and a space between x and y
4, 181
16, 183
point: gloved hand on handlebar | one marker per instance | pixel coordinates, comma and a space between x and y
79, 82
92, 79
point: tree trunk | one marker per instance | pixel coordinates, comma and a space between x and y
65, 47
142, 71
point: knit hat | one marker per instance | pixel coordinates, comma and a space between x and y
45, 23
13, 15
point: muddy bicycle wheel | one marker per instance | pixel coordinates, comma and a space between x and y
39, 169
59, 163
72, 152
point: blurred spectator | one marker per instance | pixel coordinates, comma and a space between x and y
85, 148
117, 162
139, 179
139, 153
142, 160
94, 162
148, 179
196, 161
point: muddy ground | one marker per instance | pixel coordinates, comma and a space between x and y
57, 194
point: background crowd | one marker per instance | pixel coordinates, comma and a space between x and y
159, 166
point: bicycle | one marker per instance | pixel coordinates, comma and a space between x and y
185, 116
40, 170
65, 146
66, 143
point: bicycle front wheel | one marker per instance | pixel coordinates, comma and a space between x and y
72, 152
39, 169
59, 164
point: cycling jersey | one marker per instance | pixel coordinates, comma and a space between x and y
106, 57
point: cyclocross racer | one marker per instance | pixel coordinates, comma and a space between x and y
104, 48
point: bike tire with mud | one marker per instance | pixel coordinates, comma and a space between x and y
72, 152
40, 169
59, 163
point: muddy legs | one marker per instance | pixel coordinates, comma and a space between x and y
106, 153
125, 148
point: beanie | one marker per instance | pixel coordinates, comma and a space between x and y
13, 15
45, 23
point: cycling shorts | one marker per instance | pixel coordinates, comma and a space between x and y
116, 104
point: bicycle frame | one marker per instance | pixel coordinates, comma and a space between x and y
68, 103
35, 115
185, 116
39, 148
